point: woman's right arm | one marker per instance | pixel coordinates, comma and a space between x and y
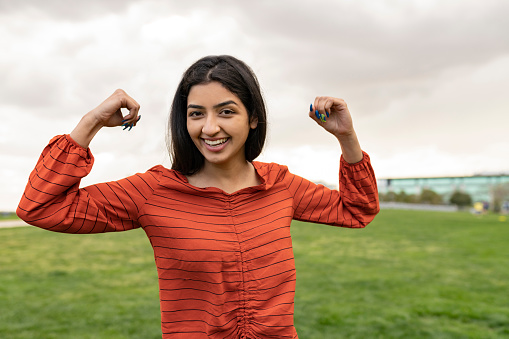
52, 198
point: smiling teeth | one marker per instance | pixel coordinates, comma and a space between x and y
215, 142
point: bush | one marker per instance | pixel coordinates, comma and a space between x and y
461, 199
389, 197
430, 197
406, 198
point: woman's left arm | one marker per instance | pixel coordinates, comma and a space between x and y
355, 204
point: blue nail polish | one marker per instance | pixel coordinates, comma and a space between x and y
311, 108
317, 114
130, 126
139, 117
125, 127
327, 113
322, 118
124, 120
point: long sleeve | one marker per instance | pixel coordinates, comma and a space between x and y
354, 205
53, 200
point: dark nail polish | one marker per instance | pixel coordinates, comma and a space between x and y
317, 114
311, 108
327, 113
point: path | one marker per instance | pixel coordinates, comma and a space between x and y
12, 223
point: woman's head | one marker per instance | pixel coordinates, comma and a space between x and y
236, 77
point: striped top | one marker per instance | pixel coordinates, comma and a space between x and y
224, 261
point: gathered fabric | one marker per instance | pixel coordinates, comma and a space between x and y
225, 262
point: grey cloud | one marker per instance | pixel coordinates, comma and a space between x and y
66, 10
344, 47
30, 87
418, 44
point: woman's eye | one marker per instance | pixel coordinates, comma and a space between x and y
227, 111
194, 114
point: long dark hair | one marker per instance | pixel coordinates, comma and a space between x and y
239, 79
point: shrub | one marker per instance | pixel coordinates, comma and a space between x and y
461, 199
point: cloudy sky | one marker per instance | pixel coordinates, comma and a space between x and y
426, 81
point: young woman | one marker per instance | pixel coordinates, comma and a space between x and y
219, 222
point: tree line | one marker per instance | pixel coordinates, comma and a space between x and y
499, 194
427, 196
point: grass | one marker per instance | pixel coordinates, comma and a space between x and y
407, 275
8, 216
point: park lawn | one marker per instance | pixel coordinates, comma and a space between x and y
407, 275
8, 216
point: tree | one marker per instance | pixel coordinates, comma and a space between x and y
390, 196
402, 196
461, 199
430, 197
499, 194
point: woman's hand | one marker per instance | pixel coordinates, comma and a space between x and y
333, 115
107, 114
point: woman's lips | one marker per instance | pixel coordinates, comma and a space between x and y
215, 145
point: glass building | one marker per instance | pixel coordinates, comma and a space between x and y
479, 187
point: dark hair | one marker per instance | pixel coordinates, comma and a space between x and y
239, 79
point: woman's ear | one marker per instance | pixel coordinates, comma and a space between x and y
254, 122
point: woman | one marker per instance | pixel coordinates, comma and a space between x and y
219, 222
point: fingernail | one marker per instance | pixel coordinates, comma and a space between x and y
125, 127
130, 126
322, 118
124, 120
317, 114
311, 108
139, 117
327, 113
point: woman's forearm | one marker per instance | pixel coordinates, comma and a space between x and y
350, 148
85, 131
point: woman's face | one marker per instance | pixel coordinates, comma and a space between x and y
218, 124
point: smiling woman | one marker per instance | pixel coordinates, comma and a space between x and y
218, 221
234, 81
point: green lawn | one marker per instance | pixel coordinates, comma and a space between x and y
8, 216
407, 275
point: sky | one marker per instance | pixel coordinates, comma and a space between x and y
425, 80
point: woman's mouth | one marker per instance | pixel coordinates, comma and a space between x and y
215, 145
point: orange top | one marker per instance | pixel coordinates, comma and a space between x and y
224, 261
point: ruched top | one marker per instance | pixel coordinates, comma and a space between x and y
225, 262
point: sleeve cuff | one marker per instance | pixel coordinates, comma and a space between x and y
365, 159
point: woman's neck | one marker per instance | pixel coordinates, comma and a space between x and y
229, 178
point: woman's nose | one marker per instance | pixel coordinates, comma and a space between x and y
211, 126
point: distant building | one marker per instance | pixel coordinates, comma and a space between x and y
479, 187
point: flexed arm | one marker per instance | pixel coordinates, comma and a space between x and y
52, 197
355, 204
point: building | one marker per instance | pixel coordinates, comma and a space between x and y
478, 187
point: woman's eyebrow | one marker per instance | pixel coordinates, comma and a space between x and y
215, 106
225, 103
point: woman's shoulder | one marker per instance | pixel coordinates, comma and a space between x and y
163, 174
160, 176
271, 172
